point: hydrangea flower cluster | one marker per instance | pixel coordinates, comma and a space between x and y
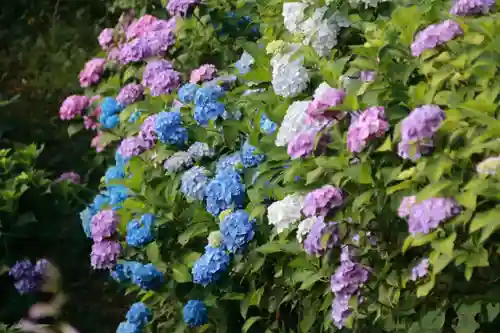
282, 214
232, 161
194, 182
305, 227
160, 77
489, 166
129, 94
417, 131
148, 132
178, 161
289, 77
73, 106
345, 283
169, 129
141, 232
249, 158
434, 35
131, 146
204, 73
195, 313
225, 191
27, 277
294, 122
427, 215
210, 266
92, 71
70, 176
322, 201
371, 124
471, 7
420, 270
322, 237
199, 150
244, 64
325, 97
147, 276
207, 106
187, 92
237, 230
181, 7
302, 144
267, 126
138, 317
110, 109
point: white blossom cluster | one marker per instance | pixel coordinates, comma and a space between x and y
178, 161
290, 77
319, 32
295, 121
282, 214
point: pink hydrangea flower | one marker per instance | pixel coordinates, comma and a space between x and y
92, 71
316, 111
322, 200
103, 224
97, 144
72, 106
114, 54
302, 144
106, 38
204, 73
70, 176
369, 125
105, 254
140, 26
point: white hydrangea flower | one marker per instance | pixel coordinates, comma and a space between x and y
293, 15
367, 3
322, 88
198, 150
295, 121
489, 166
290, 78
178, 161
245, 63
305, 227
282, 214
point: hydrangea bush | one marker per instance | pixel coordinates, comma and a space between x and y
335, 171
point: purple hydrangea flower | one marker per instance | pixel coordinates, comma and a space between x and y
302, 144
70, 176
133, 51
160, 77
106, 38
371, 124
92, 71
321, 201
103, 224
180, 7
426, 216
317, 109
368, 76
129, 94
27, 277
131, 146
340, 310
73, 106
434, 35
159, 41
142, 25
105, 254
148, 132
420, 270
322, 237
406, 205
418, 129
471, 7
348, 278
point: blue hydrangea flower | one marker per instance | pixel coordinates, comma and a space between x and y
109, 107
231, 161
147, 277
237, 230
123, 271
126, 327
209, 267
140, 233
114, 172
195, 313
207, 95
193, 183
206, 112
248, 156
139, 314
117, 195
134, 116
267, 126
109, 121
168, 127
244, 65
224, 191
85, 217
120, 161
198, 150
187, 92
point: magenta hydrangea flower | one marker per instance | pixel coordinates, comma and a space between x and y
97, 142
371, 124
317, 109
420, 270
471, 7
148, 132
322, 200
204, 73
70, 176
426, 216
103, 224
105, 254
180, 7
106, 38
160, 78
418, 129
131, 146
302, 144
316, 242
140, 26
406, 205
114, 54
434, 35
73, 106
129, 94
92, 71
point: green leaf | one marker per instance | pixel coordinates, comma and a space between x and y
74, 128
445, 246
249, 322
466, 318
194, 230
424, 289
432, 190
153, 253
483, 219
314, 175
181, 273
433, 321
308, 319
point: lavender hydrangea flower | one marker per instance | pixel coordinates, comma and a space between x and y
426, 216
160, 78
180, 7
129, 94
70, 176
178, 161
367, 76
302, 144
106, 38
92, 71
198, 150
131, 146
322, 237
434, 35
27, 277
105, 254
418, 129
406, 205
489, 166
134, 51
73, 106
340, 310
471, 7
148, 132
371, 124
159, 41
420, 270
193, 183
325, 97
348, 278
103, 225
321, 201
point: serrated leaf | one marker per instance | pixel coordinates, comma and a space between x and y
181, 273
249, 322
